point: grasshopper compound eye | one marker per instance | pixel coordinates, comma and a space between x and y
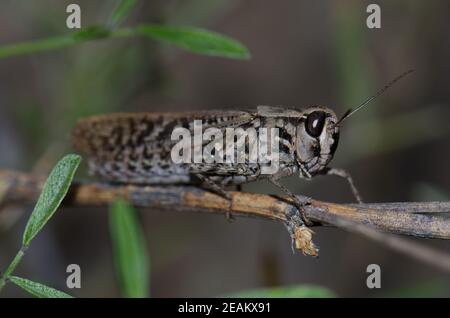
315, 123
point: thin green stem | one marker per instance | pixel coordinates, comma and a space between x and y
11, 267
58, 42
122, 32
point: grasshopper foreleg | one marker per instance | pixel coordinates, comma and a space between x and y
344, 174
301, 235
300, 202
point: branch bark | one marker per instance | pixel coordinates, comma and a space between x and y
419, 219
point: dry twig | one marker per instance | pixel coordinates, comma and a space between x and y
420, 219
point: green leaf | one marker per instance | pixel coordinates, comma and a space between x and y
300, 291
53, 43
421, 289
122, 10
91, 33
37, 289
130, 253
196, 40
55, 189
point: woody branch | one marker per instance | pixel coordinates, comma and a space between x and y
419, 219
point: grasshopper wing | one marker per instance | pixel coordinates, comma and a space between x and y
278, 111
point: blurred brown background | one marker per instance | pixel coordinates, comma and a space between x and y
303, 53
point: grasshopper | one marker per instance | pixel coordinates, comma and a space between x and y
136, 148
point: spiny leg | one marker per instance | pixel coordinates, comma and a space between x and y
344, 174
209, 184
300, 203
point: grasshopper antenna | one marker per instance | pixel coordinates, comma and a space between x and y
350, 112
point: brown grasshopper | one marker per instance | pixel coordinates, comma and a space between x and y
137, 148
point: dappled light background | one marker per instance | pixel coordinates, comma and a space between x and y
303, 54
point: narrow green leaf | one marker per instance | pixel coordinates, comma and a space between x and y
419, 289
55, 189
196, 40
189, 38
130, 253
53, 43
37, 289
122, 10
301, 291
91, 33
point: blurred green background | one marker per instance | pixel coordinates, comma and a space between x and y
303, 53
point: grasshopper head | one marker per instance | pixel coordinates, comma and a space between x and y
317, 138
318, 133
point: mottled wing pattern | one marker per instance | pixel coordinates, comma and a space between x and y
279, 112
135, 147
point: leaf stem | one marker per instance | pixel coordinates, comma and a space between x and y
11, 267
